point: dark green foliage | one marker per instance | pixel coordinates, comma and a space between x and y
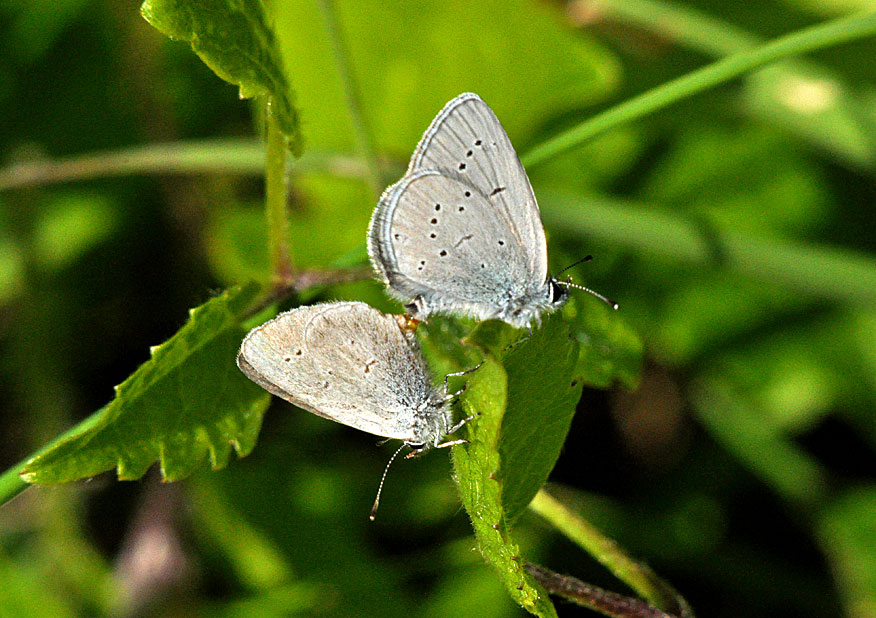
187, 403
725, 432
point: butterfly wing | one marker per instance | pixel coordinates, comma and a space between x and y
452, 247
344, 361
466, 159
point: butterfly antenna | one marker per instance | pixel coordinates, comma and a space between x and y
608, 302
586, 258
383, 478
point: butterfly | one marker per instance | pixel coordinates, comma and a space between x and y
461, 232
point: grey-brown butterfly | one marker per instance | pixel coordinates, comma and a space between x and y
350, 363
461, 232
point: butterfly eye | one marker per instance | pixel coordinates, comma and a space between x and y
556, 292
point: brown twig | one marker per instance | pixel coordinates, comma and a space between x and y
307, 279
593, 597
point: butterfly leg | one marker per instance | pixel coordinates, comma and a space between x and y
514, 344
452, 443
459, 425
454, 429
417, 309
457, 374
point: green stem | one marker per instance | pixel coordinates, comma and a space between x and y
217, 156
680, 24
833, 32
635, 574
275, 200
351, 93
11, 483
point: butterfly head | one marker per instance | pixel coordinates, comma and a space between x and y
558, 294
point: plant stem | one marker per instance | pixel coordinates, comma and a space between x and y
635, 574
217, 156
275, 199
592, 597
678, 23
833, 32
351, 93
11, 483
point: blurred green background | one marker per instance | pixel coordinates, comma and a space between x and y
736, 229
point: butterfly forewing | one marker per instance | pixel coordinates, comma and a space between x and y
466, 251
467, 140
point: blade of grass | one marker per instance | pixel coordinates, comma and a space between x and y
841, 125
834, 32
635, 574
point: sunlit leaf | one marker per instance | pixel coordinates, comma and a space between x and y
525, 397
478, 470
236, 40
409, 81
187, 403
544, 386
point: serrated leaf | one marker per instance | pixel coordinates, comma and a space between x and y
186, 403
525, 396
477, 468
236, 40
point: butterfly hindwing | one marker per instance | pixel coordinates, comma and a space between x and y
344, 361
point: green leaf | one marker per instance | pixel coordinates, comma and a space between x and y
236, 40
543, 390
188, 402
525, 397
409, 81
610, 350
477, 468
848, 531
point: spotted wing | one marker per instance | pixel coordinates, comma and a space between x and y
344, 361
468, 148
468, 140
445, 241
